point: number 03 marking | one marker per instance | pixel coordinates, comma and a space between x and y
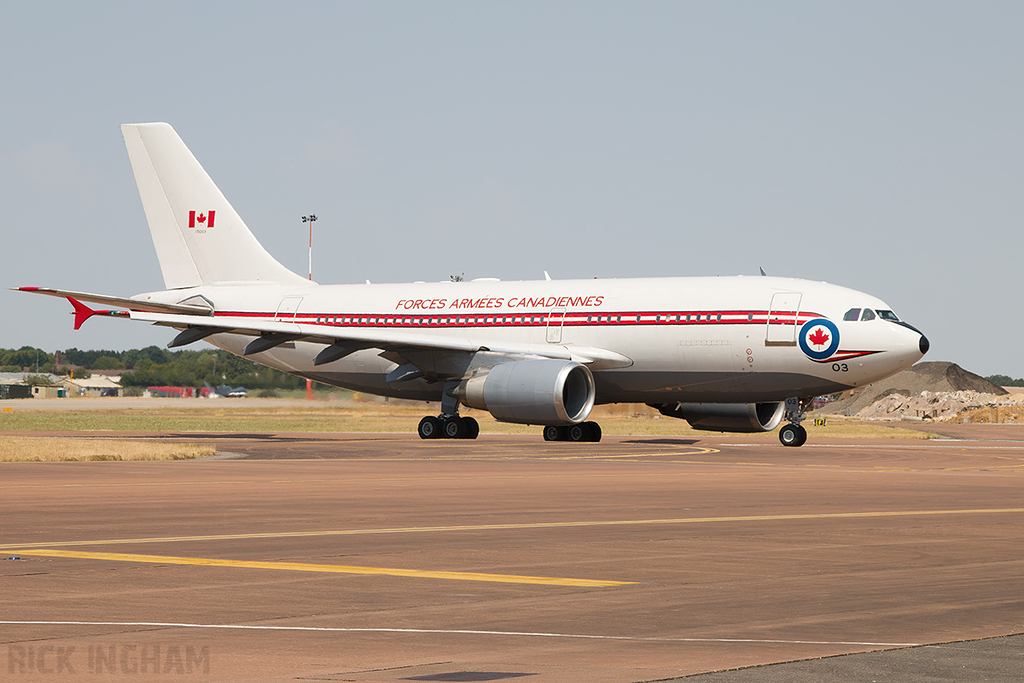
840, 367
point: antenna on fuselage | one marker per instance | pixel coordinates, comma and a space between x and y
764, 274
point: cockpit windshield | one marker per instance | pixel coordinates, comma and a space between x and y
869, 314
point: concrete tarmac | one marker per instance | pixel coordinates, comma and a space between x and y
385, 558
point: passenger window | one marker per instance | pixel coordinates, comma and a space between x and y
868, 314
852, 314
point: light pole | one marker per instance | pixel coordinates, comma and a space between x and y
309, 219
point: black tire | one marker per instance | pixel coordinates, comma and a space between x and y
554, 433
472, 428
578, 432
792, 435
429, 428
803, 435
593, 431
454, 428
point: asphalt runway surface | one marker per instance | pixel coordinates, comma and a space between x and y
347, 557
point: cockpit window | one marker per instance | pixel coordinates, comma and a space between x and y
888, 315
868, 314
852, 314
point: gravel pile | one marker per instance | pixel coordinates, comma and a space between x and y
928, 405
926, 390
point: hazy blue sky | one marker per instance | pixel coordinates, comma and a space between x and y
877, 145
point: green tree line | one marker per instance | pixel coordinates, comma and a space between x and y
154, 366
1005, 381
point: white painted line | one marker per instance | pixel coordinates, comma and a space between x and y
454, 631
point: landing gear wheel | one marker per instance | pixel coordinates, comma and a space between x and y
579, 433
587, 431
429, 428
472, 428
792, 435
554, 433
454, 428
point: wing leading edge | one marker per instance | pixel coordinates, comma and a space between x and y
342, 341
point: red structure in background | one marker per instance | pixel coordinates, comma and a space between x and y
177, 392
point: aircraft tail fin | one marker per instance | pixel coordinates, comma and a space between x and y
199, 238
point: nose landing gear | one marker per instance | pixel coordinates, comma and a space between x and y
793, 434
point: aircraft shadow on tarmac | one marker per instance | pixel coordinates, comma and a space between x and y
256, 436
666, 442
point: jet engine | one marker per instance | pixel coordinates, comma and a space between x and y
726, 417
540, 392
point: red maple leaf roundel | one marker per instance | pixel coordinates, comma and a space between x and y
818, 338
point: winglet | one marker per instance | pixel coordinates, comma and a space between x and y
83, 312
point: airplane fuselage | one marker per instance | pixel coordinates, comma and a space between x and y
717, 339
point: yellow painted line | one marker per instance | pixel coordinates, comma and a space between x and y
515, 526
326, 568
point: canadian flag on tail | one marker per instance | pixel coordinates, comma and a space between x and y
205, 220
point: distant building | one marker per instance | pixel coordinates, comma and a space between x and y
97, 385
14, 385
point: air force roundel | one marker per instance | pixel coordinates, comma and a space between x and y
819, 338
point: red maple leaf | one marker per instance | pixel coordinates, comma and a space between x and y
819, 338
201, 218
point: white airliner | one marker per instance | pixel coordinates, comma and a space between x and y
731, 354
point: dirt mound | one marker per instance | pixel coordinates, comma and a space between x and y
951, 377
932, 377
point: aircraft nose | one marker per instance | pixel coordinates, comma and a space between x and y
922, 342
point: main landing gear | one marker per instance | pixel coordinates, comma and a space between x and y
448, 427
793, 434
449, 424
587, 431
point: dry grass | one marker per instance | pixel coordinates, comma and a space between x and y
47, 449
399, 417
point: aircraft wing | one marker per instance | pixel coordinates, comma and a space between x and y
343, 340
121, 302
402, 345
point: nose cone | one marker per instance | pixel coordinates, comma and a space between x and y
911, 344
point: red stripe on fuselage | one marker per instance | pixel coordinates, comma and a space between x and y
569, 318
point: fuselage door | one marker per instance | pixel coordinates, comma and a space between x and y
287, 309
555, 319
782, 317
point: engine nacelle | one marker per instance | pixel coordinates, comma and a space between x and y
539, 392
726, 417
